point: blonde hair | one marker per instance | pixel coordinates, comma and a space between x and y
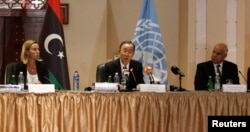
26, 46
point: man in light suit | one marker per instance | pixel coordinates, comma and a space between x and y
227, 70
125, 64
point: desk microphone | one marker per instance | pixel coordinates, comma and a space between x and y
243, 76
126, 74
46, 78
148, 70
177, 71
132, 72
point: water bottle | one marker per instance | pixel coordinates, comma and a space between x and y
123, 82
21, 80
110, 79
76, 79
117, 78
13, 80
210, 86
217, 83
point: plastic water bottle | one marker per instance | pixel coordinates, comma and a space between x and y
76, 79
109, 79
217, 83
21, 80
117, 78
123, 82
210, 86
13, 81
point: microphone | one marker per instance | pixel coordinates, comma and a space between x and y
46, 78
87, 89
243, 76
131, 70
177, 71
125, 73
148, 70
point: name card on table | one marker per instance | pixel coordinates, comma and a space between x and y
104, 86
41, 88
234, 88
152, 88
10, 87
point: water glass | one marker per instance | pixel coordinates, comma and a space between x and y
123, 83
229, 81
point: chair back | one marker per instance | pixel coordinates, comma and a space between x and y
9, 71
100, 73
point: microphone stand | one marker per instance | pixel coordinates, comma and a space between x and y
151, 78
180, 87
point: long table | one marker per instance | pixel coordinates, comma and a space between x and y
67, 111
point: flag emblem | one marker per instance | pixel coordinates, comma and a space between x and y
148, 42
52, 46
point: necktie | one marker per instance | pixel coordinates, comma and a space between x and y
125, 70
218, 70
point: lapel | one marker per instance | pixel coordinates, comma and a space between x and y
132, 65
118, 65
211, 67
24, 69
224, 68
38, 69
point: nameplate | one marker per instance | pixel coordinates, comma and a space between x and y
152, 88
234, 88
41, 88
9, 87
104, 86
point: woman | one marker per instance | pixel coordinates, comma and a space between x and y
34, 70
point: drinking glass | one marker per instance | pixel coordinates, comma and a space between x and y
123, 83
229, 81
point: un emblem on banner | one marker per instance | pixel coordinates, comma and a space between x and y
150, 49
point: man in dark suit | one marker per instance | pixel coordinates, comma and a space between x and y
124, 65
216, 66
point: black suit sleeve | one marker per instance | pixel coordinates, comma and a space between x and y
139, 75
43, 72
200, 78
230, 71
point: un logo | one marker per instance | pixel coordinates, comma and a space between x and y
150, 49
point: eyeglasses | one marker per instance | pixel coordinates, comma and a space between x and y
127, 51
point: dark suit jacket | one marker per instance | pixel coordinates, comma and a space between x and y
114, 66
42, 71
205, 69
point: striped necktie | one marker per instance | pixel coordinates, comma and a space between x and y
218, 70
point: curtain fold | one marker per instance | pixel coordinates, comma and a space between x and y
117, 112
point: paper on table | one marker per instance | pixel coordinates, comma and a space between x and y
41, 88
234, 88
152, 88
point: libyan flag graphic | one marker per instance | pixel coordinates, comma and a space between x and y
52, 46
